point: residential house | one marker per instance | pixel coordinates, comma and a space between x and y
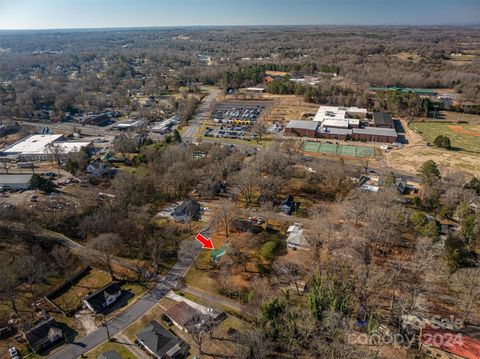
183, 316
296, 237
289, 205
161, 343
111, 354
98, 168
189, 210
44, 335
103, 297
401, 185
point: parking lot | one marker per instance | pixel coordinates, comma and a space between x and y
238, 112
233, 131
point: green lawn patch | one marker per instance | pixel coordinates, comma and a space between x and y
119, 348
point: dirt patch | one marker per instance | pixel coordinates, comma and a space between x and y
87, 320
464, 131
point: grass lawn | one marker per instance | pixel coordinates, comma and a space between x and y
220, 344
153, 314
119, 348
462, 136
72, 298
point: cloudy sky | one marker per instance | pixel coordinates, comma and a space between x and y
42, 14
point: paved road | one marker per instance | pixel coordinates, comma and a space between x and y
124, 319
201, 115
70, 127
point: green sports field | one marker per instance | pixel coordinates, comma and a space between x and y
462, 136
340, 150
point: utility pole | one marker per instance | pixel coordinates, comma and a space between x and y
435, 111
105, 324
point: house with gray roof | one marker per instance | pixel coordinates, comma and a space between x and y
160, 343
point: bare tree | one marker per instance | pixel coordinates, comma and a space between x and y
224, 214
255, 345
200, 329
467, 280
34, 272
9, 283
105, 247
64, 259
290, 272
224, 279
245, 183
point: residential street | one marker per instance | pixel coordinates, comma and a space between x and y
124, 319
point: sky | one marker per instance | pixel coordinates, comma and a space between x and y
55, 14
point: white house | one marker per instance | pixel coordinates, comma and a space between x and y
296, 238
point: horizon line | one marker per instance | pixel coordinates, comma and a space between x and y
240, 25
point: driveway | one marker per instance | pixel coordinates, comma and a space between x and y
213, 298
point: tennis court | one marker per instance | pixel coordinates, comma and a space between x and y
341, 150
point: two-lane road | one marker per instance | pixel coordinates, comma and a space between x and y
202, 113
78, 347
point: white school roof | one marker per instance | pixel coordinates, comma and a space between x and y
337, 112
335, 123
303, 125
34, 144
71, 146
38, 145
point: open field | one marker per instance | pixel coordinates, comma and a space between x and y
411, 157
288, 107
451, 116
462, 136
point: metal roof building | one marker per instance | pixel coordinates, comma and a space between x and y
41, 147
15, 181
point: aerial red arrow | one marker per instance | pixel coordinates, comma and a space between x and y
206, 242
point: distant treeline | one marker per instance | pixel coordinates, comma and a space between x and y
395, 102
254, 74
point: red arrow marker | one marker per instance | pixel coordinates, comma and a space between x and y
206, 242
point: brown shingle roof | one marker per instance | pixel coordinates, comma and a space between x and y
182, 314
